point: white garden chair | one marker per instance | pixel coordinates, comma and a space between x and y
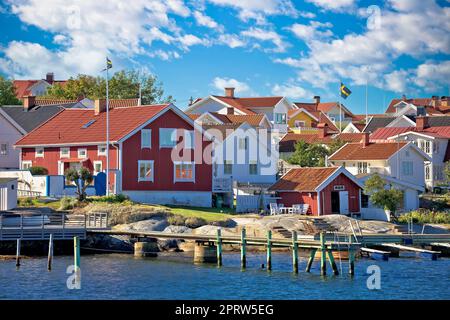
274, 209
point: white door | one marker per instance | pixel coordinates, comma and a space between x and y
60, 168
343, 202
3, 198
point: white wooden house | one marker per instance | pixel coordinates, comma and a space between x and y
8, 193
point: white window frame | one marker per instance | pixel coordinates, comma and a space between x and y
152, 178
363, 167
99, 153
175, 163
300, 123
101, 166
37, 154
27, 163
161, 130
78, 153
243, 146
189, 135
61, 155
144, 144
225, 164
5, 153
280, 118
250, 164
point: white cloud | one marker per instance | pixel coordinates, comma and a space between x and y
314, 30
164, 55
291, 90
267, 35
190, 40
231, 40
206, 21
334, 5
240, 87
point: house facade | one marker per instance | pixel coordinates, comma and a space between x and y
155, 153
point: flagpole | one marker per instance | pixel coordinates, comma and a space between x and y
340, 108
107, 131
367, 90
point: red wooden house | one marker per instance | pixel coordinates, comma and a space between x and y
325, 190
156, 152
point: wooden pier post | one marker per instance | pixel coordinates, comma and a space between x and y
311, 260
351, 258
323, 256
269, 250
18, 253
50, 253
294, 252
243, 251
219, 247
333, 263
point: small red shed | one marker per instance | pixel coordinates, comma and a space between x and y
331, 190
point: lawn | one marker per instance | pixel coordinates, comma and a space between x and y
209, 214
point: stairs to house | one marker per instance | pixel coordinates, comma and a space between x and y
283, 232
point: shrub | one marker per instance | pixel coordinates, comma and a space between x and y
25, 202
194, 222
426, 216
68, 203
38, 171
114, 198
176, 220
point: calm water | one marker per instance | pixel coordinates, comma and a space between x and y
124, 277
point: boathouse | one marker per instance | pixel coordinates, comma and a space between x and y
326, 190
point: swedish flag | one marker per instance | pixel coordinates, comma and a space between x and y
345, 92
108, 63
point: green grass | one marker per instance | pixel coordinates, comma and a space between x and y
209, 214
38, 203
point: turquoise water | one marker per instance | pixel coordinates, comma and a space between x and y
124, 277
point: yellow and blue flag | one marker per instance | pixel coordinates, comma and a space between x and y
108, 63
345, 92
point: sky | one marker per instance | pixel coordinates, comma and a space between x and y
297, 49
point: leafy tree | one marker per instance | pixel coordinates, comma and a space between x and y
82, 179
335, 145
447, 171
122, 85
38, 171
7, 92
308, 155
380, 196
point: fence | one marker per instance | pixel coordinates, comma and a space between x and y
252, 203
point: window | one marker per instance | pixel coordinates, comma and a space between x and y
299, 124
82, 153
428, 172
189, 139
407, 168
362, 167
146, 172
339, 187
101, 150
3, 149
39, 152
228, 167
243, 143
364, 200
425, 145
146, 138
98, 167
64, 152
184, 171
280, 118
26, 165
167, 137
253, 167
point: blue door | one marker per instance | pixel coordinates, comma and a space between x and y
100, 184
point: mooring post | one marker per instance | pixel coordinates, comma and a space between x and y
50, 252
269, 250
76, 253
294, 252
323, 256
332, 263
311, 260
219, 247
243, 254
351, 257
18, 253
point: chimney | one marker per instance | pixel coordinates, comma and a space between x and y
229, 92
421, 123
50, 77
434, 100
316, 99
230, 110
29, 102
99, 106
323, 130
365, 139
444, 101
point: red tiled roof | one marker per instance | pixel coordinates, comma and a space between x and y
424, 102
251, 119
67, 126
287, 143
322, 106
119, 103
21, 87
385, 133
373, 151
303, 179
51, 102
318, 115
245, 104
310, 107
193, 116
349, 137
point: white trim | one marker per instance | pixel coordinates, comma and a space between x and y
302, 110
402, 117
152, 179
29, 162
351, 125
149, 131
61, 152
175, 163
319, 207
85, 151
208, 114
98, 150
36, 155
171, 136
101, 166
420, 134
333, 176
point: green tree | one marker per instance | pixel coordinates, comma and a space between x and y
335, 145
308, 155
7, 92
386, 198
122, 85
82, 179
447, 171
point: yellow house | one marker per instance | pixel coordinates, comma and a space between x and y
302, 121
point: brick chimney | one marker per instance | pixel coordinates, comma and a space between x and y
323, 130
50, 77
444, 101
421, 123
99, 106
365, 139
29, 102
434, 101
316, 99
229, 92
230, 110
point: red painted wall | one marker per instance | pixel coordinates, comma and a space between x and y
163, 164
291, 198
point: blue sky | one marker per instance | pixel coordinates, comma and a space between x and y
274, 47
